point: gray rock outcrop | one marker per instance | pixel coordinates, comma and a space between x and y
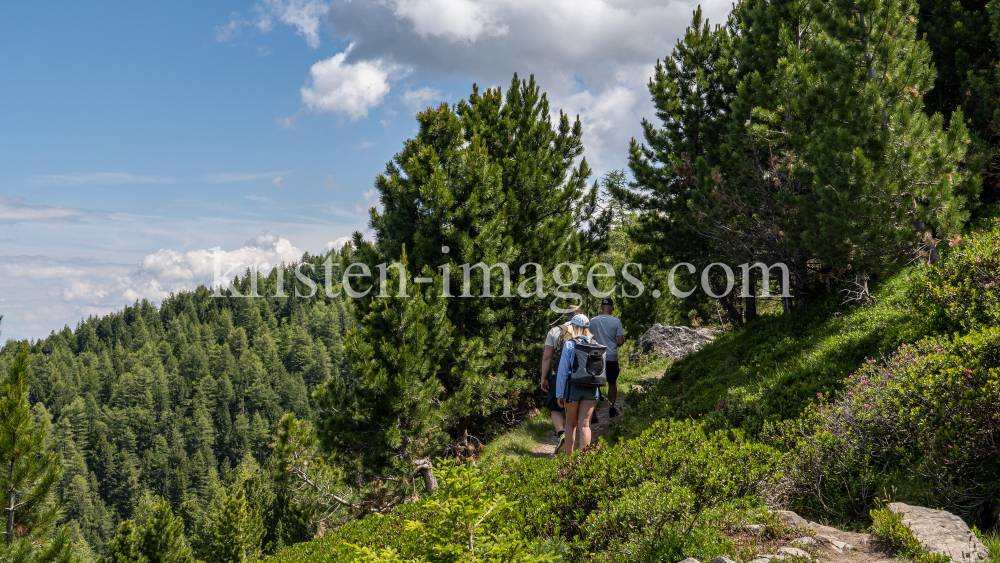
942, 532
672, 342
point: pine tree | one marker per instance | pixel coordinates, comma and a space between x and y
28, 478
493, 181
237, 532
393, 412
159, 540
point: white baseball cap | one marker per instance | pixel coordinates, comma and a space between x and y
580, 320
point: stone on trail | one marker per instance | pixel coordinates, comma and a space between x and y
690, 560
721, 559
754, 529
792, 552
793, 520
760, 560
804, 541
942, 532
672, 342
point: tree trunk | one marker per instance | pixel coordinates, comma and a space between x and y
426, 469
750, 300
786, 305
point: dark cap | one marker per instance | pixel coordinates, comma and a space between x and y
607, 301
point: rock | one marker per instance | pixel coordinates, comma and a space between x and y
756, 529
834, 544
672, 342
821, 529
793, 520
721, 559
804, 541
942, 532
792, 552
761, 559
690, 560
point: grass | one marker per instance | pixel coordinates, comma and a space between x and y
772, 368
992, 543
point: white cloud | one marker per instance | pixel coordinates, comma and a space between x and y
15, 210
227, 177
99, 178
454, 20
332, 245
42, 293
369, 199
226, 32
592, 57
304, 15
420, 98
330, 183
349, 88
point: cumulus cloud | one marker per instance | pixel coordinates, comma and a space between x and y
452, 20
350, 89
99, 178
420, 98
337, 244
592, 57
369, 199
15, 210
41, 293
304, 15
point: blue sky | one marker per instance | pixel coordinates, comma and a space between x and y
137, 135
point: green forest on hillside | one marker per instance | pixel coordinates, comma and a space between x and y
854, 141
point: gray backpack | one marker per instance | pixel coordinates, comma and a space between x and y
588, 364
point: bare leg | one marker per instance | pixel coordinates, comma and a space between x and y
557, 421
571, 423
583, 420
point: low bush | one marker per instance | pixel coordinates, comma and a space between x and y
923, 420
962, 292
672, 492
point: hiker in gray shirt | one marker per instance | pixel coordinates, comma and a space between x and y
607, 330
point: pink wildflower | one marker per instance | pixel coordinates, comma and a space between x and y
968, 371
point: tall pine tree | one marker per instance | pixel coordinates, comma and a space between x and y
29, 475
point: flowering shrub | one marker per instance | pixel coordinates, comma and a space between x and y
964, 289
925, 420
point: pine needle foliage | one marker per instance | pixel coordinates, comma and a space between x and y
29, 475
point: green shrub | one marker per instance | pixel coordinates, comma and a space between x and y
923, 420
668, 494
888, 527
963, 291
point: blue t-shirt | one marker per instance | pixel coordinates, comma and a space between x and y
566, 366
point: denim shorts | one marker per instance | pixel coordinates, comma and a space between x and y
577, 393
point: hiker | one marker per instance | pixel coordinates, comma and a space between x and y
554, 341
607, 330
577, 384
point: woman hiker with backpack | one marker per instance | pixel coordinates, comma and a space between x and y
580, 375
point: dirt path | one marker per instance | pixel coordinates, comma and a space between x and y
825, 544
548, 448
